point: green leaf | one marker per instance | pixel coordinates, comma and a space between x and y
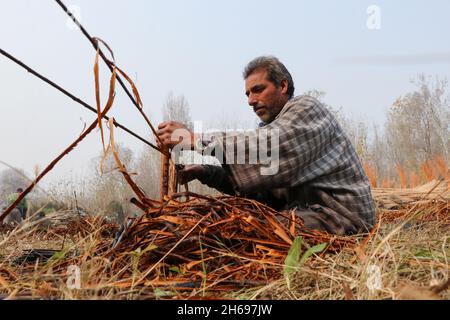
175, 269
429, 254
316, 249
162, 293
292, 259
423, 253
57, 256
149, 248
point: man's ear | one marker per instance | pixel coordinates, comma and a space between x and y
284, 87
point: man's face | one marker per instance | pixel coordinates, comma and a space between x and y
265, 97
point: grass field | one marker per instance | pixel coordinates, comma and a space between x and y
405, 257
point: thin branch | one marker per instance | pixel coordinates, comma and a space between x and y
81, 102
94, 43
26, 178
63, 154
48, 169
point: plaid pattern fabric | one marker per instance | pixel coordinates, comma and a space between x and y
314, 153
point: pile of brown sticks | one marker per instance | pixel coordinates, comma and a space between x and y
427, 203
397, 198
431, 211
209, 244
82, 227
220, 243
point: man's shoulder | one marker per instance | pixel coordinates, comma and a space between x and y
306, 99
309, 101
305, 104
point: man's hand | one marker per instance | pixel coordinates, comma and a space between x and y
172, 133
190, 173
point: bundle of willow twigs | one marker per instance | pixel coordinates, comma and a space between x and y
427, 203
210, 244
82, 227
218, 241
429, 211
396, 198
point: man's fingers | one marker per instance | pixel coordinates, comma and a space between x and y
187, 174
184, 176
166, 131
162, 131
165, 138
169, 124
190, 173
163, 125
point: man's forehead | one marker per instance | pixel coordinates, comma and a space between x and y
256, 77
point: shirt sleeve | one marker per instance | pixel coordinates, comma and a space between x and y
295, 148
216, 177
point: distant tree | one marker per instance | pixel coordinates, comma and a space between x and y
318, 94
376, 157
356, 131
106, 165
108, 185
148, 169
176, 108
417, 127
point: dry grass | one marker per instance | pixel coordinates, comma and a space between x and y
410, 249
417, 256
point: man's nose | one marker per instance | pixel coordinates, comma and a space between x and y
252, 100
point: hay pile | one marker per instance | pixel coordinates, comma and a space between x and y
224, 243
205, 247
428, 203
209, 244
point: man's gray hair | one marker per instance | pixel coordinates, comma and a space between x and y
276, 71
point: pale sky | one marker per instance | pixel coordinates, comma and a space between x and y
199, 48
